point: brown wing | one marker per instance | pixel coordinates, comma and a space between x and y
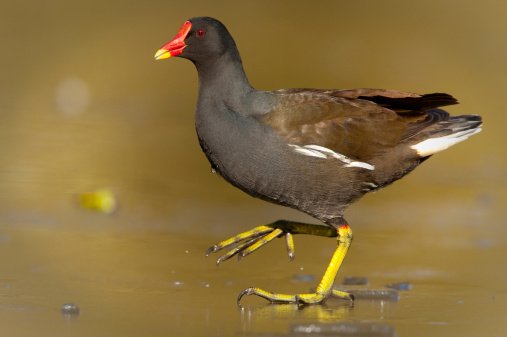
358, 123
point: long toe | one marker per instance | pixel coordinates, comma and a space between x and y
313, 298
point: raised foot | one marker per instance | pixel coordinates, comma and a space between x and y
253, 240
315, 298
262, 235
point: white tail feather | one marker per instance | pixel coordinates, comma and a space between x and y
434, 145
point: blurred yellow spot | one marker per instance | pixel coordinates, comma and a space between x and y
102, 200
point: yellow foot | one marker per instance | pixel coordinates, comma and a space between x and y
259, 236
315, 298
254, 239
325, 288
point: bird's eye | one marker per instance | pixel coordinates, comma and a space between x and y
201, 33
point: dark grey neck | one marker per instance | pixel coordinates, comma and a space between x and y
223, 76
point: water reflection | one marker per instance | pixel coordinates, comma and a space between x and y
322, 313
342, 329
331, 318
70, 311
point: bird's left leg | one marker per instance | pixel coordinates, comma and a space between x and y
259, 236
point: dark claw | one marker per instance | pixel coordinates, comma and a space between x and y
220, 259
211, 250
291, 256
247, 291
298, 301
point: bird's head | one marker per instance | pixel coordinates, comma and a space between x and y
198, 39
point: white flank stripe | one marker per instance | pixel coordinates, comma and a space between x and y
361, 164
371, 185
434, 145
311, 153
325, 153
331, 152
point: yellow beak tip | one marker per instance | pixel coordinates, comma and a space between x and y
162, 54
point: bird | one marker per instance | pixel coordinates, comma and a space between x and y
314, 150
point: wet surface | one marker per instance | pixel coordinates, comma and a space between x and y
84, 108
135, 280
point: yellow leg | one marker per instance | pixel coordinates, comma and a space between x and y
289, 242
324, 290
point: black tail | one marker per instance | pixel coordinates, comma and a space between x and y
413, 104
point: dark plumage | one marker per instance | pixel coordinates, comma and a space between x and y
310, 149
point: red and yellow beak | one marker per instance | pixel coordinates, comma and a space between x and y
176, 45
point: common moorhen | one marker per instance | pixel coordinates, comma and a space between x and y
313, 150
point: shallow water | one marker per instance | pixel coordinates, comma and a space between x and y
84, 106
134, 281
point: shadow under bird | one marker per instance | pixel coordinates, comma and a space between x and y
314, 150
